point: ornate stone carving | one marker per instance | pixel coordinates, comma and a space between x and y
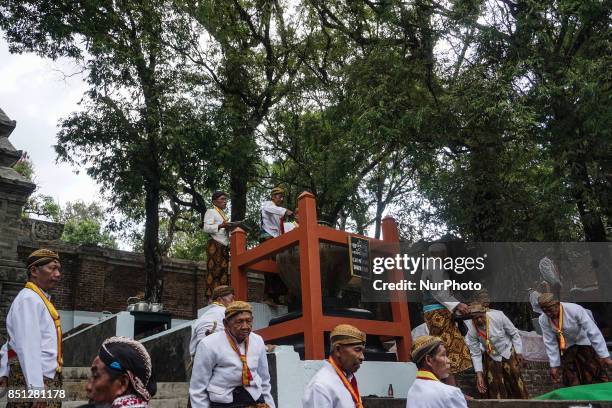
38, 230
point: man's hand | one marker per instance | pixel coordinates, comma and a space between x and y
606, 361
462, 308
223, 225
39, 404
520, 359
556, 376
480, 383
288, 213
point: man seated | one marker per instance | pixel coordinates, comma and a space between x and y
231, 368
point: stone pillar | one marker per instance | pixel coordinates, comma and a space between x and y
14, 192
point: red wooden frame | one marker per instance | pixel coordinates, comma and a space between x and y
313, 323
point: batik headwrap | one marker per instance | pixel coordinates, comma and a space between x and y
122, 354
42, 257
423, 346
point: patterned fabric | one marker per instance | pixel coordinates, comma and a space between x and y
503, 378
440, 323
218, 261
17, 380
130, 401
580, 365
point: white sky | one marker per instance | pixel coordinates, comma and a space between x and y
35, 93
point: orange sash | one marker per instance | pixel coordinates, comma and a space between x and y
247, 377
56, 321
352, 389
485, 337
221, 213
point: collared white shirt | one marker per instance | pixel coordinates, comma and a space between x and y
434, 394
211, 320
271, 215
217, 370
212, 220
503, 335
443, 296
578, 328
33, 337
326, 390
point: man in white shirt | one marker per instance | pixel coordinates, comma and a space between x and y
576, 349
231, 367
438, 309
335, 385
500, 375
34, 347
428, 391
216, 225
212, 320
273, 215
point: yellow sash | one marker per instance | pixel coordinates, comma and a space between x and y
221, 213
559, 330
426, 375
56, 321
247, 377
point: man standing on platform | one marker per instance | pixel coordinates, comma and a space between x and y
438, 309
501, 376
273, 215
335, 385
576, 349
428, 390
231, 368
217, 227
212, 320
35, 333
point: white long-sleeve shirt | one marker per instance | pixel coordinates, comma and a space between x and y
578, 328
443, 296
4, 370
326, 390
503, 335
211, 321
434, 394
217, 370
33, 337
212, 220
271, 216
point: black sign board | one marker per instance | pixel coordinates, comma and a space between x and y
359, 257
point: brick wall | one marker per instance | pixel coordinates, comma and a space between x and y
96, 279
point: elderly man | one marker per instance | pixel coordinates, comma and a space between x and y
573, 343
216, 225
34, 349
212, 320
438, 309
428, 391
273, 215
493, 332
121, 375
231, 368
335, 385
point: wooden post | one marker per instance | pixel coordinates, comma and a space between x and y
399, 303
238, 277
310, 278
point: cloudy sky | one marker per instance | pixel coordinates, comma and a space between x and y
36, 93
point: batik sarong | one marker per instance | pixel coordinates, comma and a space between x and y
503, 378
580, 365
217, 265
17, 381
440, 323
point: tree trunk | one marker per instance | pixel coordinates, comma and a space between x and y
380, 205
154, 282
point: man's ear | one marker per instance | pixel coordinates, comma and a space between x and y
123, 384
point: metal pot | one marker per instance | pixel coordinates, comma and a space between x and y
156, 307
140, 307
